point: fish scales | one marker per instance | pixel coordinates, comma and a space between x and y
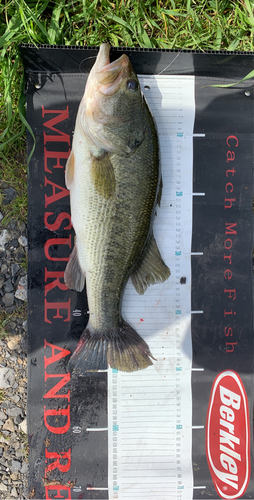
113, 199
129, 214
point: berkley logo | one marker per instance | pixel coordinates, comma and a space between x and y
228, 436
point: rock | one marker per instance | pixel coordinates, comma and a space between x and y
16, 398
4, 268
2, 415
9, 425
23, 426
1, 216
5, 237
11, 324
14, 492
23, 241
15, 466
8, 286
22, 228
8, 299
23, 343
13, 244
20, 453
17, 420
14, 269
21, 294
7, 378
14, 343
10, 309
9, 195
3, 184
14, 411
3, 440
2, 278
23, 281
24, 467
14, 476
3, 487
13, 225
19, 255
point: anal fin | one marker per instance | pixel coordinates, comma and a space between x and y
152, 269
74, 277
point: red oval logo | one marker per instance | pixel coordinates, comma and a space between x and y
228, 436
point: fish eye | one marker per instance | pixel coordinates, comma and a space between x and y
132, 85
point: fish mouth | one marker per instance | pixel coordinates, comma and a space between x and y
110, 75
98, 109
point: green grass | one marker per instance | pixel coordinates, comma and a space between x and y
14, 173
5, 317
178, 24
185, 24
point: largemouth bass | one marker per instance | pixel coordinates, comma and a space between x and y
113, 174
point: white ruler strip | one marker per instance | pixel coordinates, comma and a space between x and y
150, 412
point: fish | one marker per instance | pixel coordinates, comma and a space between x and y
113, 174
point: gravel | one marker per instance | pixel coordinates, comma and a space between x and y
7, 376
13, 358
8, 300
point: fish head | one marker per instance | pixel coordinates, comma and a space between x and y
112, 109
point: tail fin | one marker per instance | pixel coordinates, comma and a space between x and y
121, 348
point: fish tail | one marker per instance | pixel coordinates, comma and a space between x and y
121, 348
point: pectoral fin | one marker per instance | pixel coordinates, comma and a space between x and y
74, 277
103, 175
69, 170
152, 269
